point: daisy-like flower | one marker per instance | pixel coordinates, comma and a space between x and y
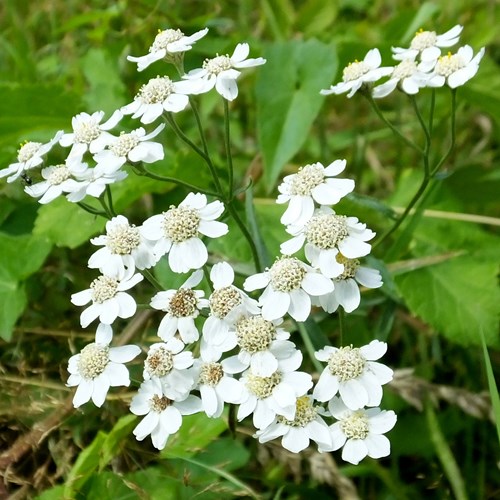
169, 363
312, 183
98, 367
29, 155
427, 44
222, 72
163, 416
354, 374
360, 432
226, 302
346, 292
406, 76
454, 69
182, 307
297, 433
327, 234
288, 284
122, 246
134, 147
158, 95
267, 397
108, 297
177, 231
359, 73
89, 134
168, 44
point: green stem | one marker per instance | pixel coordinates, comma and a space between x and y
183, 137
92, 210
109, 196
341, 324
427, 134
150, 277
230, 172
102, 201
309, 346
453, 132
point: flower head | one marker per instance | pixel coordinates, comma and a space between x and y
406, 76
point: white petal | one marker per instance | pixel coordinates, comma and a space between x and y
295, 440
354, 451
317, 284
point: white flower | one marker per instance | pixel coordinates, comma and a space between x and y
406, 76
360, 432
277, 394
158, 95
169, 363
346, 292
288, 286
134, 147
354, 374
89, 134
163, 416
123, 246
297, 432
327, 234
109, 300
454, 69
29, 155
182, 307
427, 44
168, 44
98, 367
357, 73
221, 72
312, 183
177, 231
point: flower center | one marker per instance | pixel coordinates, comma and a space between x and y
305, 413
263, 387
93, 360
59, 174
306, 179
355, 426
255, 333
423, 40
159, 404
163, 38
87, 131
103, 288
326, 231
124, 144
27, 151
211, 373
217, 64
404, 69
350, 267
346, 363
183, 303
181, 224
355, 70
448, 64
224, 300
156, 90
159, 362
287, 274
122, 239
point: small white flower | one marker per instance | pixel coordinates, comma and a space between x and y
221, 72
29, 155
297, 432
134, 147
357, 73
163, 416
109, 300
168, 44
426, 44
158, 95
312, 183
406, 76
98, 367
169, 363
123, 246
346, 292
177, 231
182, 307
327, 234
288, 284
89, 134
360, 432
354, 374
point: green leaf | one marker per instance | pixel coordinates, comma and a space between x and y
13, 300
288, 98
421, 19
116, 439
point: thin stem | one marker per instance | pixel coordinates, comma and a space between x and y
341, 324
309, 346
183, 137
109, 196
227, 137
431, 112
427, 135
92, 210
453, 132
150, 277
102, 201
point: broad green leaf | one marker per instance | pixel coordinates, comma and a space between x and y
55, 493
288, 98
315, 16
116, 439
13, 300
